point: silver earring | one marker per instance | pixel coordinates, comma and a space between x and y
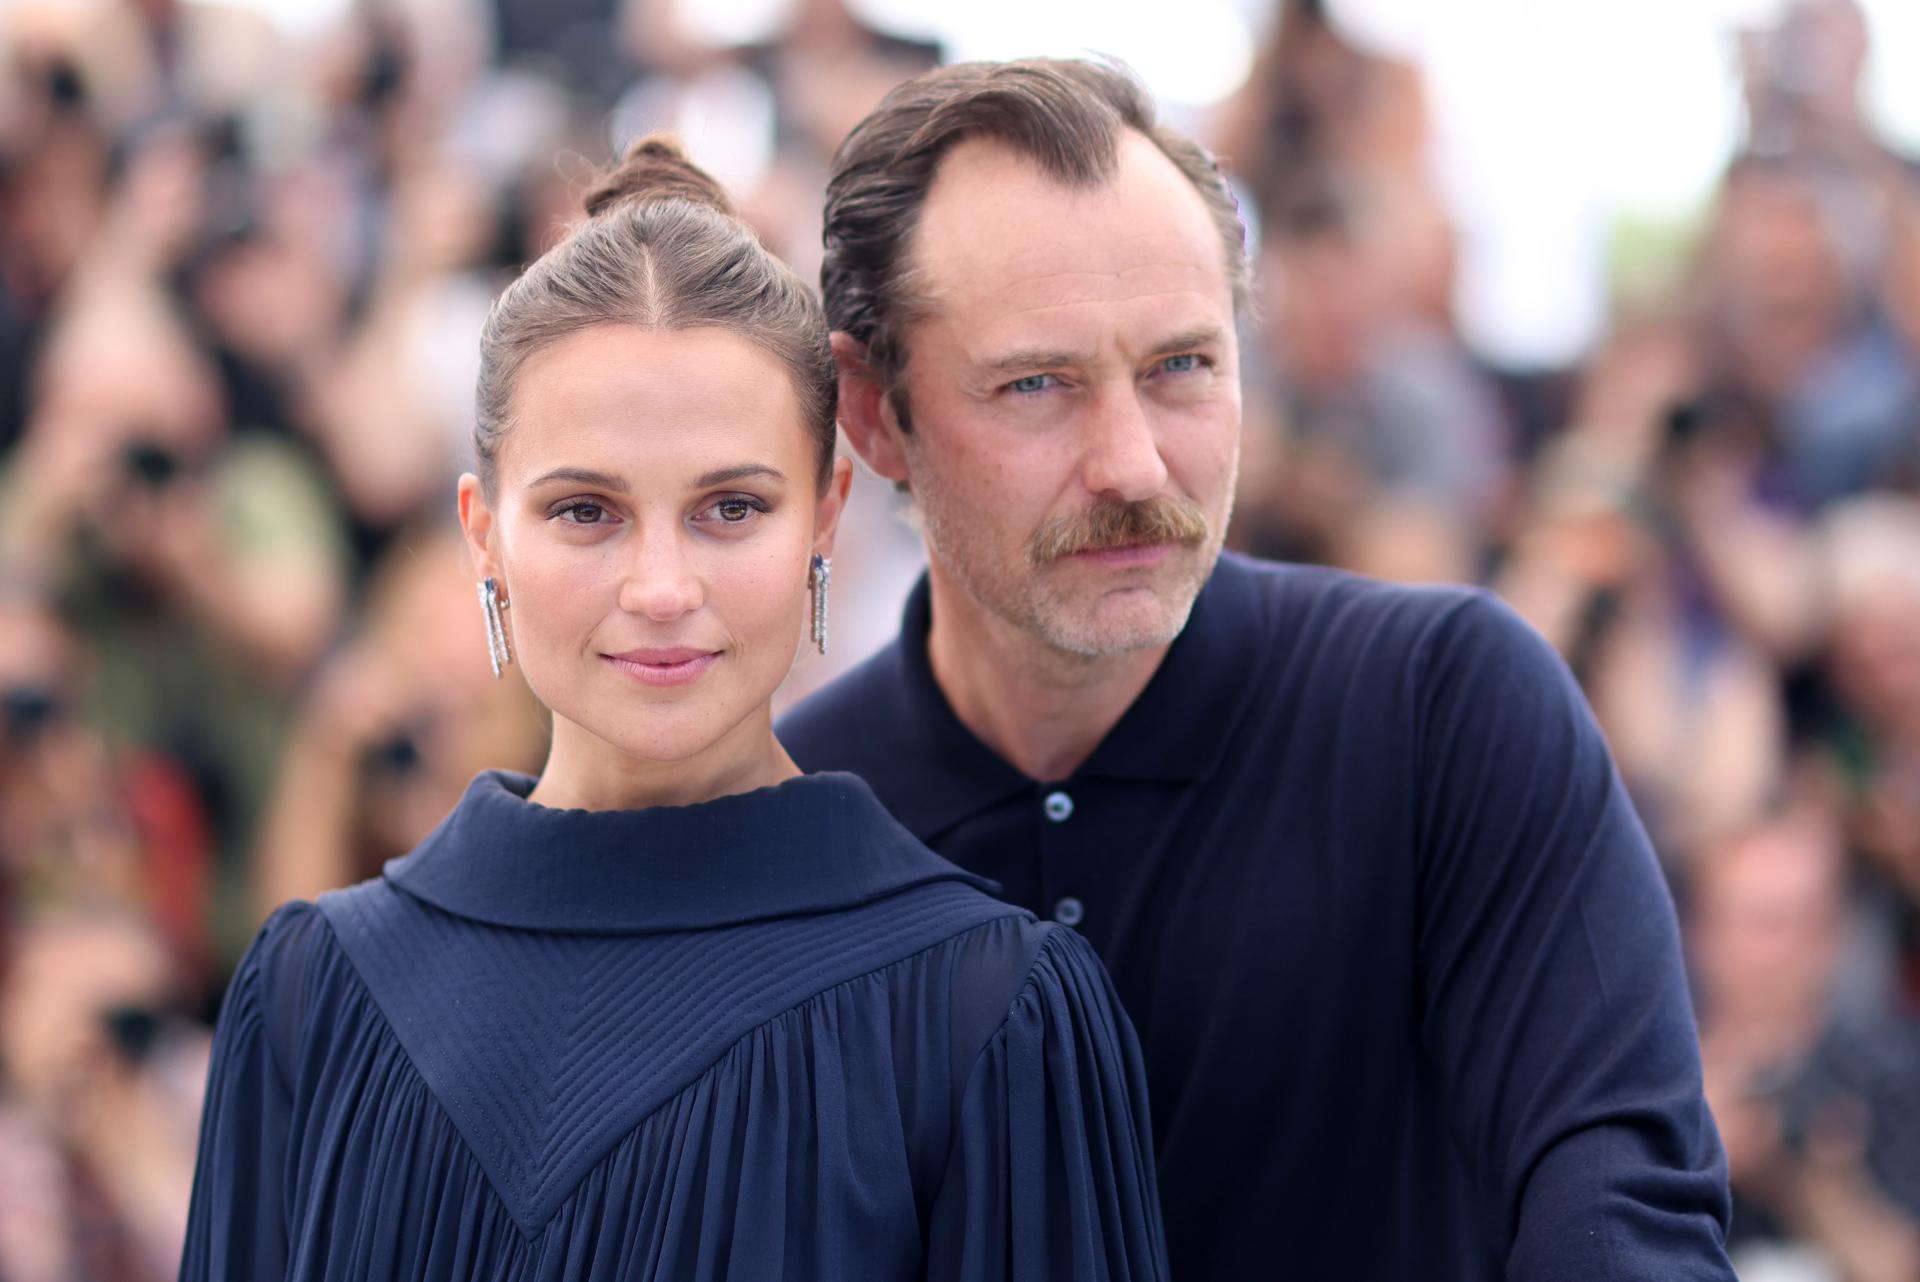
818, 576
499, 653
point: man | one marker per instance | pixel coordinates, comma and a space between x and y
1404, 969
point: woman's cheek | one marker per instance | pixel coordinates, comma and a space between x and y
558, 600
761, 599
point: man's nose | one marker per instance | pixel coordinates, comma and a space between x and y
1122, 457
660, 580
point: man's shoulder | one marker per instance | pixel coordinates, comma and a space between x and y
1369, 619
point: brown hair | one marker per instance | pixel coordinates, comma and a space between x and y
1066, 114
661, 249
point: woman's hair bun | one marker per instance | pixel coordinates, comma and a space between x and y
655, 168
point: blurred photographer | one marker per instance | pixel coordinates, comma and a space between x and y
203, 573
391, 732
1815, 1100
99, 1102
1691, 706
1869, 740
81, 822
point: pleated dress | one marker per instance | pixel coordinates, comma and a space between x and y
767, 1037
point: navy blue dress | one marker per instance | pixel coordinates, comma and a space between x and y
771, 1036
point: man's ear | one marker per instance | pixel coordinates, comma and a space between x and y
476, 527
865, 414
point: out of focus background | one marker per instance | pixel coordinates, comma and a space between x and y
1613, 308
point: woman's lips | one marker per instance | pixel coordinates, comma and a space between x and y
664, 667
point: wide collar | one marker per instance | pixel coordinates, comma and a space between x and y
812, 844
938, 772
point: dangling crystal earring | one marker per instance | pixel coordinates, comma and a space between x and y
817, 578
499, 653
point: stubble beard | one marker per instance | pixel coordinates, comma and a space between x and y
1034, 601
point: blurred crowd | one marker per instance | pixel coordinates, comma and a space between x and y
241, 281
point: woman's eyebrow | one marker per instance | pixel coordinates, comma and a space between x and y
581, 476
738, 472
608, 481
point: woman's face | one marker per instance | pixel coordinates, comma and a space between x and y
655, 516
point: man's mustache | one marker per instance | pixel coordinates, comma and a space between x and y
1161, 519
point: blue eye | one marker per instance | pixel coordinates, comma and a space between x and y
1031, 383
1185, 363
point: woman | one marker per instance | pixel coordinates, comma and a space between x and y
672, 1010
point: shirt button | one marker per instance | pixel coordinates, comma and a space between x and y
1069, 911
1059, 805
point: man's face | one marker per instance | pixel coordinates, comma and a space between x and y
1074, 398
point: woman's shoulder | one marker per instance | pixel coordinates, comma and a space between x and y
293, 964
294, 938
300, 942
1015, 961
306, 945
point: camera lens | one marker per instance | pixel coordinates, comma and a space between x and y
151, 464
25, 710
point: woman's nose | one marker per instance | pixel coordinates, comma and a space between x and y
661, 581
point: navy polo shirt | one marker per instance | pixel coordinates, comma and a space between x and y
1405, 972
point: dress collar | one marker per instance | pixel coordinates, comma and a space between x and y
1177, 731
811, 844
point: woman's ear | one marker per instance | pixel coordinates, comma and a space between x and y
826, 519
476, 527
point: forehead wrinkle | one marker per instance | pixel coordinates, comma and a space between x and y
1137, 299
1007, 298
964, 271
1040, 264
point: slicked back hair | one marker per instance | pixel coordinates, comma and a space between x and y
663, 250
1067, 115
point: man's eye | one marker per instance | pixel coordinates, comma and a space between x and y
1185, 363
1031, 383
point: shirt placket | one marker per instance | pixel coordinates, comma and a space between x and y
1057, 823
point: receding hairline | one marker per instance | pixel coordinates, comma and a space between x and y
913, 296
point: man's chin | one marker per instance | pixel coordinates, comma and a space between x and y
1120, 620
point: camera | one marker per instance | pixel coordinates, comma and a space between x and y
151, 464
25, 710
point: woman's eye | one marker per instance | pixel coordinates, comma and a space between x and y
584, 513
737, 510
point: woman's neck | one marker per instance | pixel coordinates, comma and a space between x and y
585, 772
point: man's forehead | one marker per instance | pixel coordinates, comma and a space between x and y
1049, 321
997, 232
